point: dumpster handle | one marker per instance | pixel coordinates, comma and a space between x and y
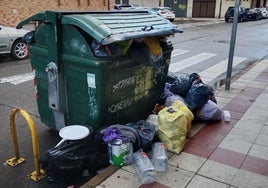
148, 28
38, 174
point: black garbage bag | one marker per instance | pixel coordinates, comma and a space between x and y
182, 84
70, 158
198, 95
147, 133
139, 52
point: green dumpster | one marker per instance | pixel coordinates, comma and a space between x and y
84, 71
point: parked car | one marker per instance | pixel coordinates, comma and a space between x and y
122, 6
242, 14
11, 42
254, 14
264, 12
165, 12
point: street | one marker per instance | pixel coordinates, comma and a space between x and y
198, 49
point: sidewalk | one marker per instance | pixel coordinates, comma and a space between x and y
221, 154
183, 23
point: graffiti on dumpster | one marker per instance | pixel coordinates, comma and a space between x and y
121, 105
143, 81
92, 103
124, 83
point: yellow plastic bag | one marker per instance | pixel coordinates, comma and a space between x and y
174, 124
153, 44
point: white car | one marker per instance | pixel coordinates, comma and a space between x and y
11, 42
264, 12
165, 12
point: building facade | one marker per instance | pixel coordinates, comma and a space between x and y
14, 11
197, 8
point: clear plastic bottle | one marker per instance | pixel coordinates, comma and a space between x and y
144, 167
159, 156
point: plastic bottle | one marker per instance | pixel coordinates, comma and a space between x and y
143, 167
159, 156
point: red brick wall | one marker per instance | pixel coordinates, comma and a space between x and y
14, 11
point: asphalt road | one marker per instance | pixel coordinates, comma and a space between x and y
17, 92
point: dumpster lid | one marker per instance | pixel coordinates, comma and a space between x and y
110, 26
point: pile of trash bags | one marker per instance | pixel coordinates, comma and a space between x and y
195, 94
184, 98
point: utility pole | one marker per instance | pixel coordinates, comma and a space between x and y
220, 9
232, 47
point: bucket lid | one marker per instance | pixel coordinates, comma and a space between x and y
74, 132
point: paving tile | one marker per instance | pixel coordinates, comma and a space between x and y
218, 171
265, 91
220, 127
241, 108
174, 177
249, 77
262, 77
223, 100
260, 66
236, 115
241, 102
235, 145
245, 97
228, 157
121, 179
199, 181
196, 126
262, 139
264, 129
238, 85
221, 105
256, 165
233, 90
226, 94
249, 124
129, 168
259, 151
187, 161
258, 84
251, 91
204, 142
154, 185
242, 135
244, 80
246, 179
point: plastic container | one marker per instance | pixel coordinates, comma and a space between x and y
159, 156
120, 152
143, 167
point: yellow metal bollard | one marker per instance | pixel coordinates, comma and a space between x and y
38, 174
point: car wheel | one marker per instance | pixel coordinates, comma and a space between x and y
19, 50
226, 20
171, 20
